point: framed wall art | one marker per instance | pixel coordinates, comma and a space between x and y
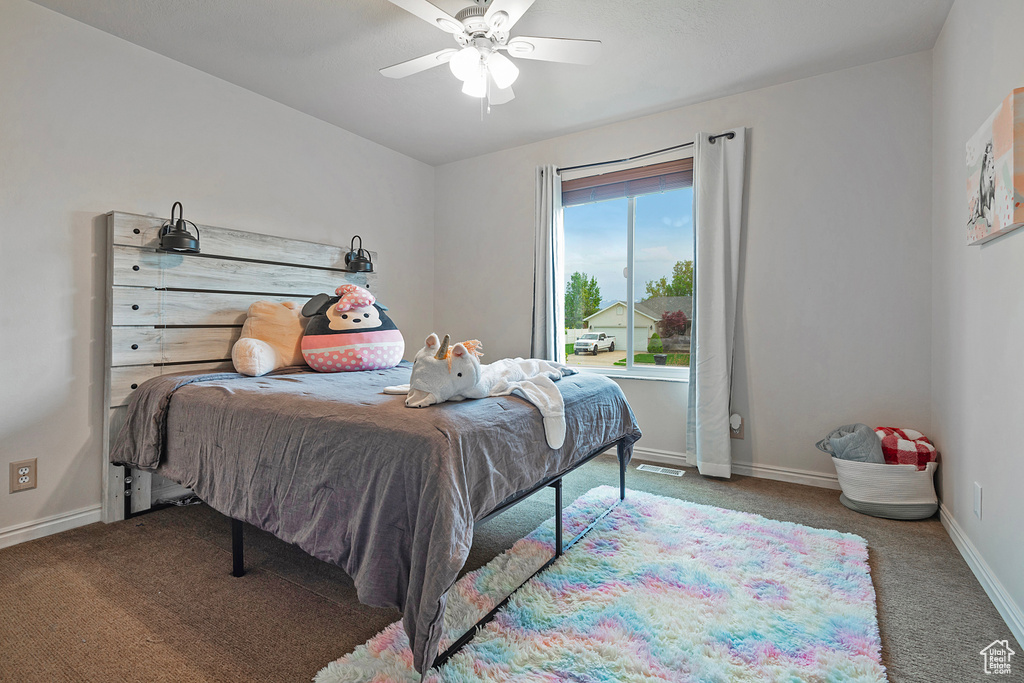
995, 173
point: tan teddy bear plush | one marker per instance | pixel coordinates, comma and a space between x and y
271, 338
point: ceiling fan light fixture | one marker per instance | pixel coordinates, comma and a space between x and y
502, 70
476, 85
496, 95
465, 63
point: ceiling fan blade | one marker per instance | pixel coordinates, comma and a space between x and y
502, 14
431, 14
414, 66
496, 95
568, 50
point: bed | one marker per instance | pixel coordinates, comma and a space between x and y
349, 474
353, 477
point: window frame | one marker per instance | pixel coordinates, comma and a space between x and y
631, 371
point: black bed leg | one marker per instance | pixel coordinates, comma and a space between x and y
558, 522
620, 451
126, 480
622, 480
237, 551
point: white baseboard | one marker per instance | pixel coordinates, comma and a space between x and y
791, 475
54, 524
1007, 608
655, 455
19, 533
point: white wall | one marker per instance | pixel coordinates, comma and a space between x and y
89, 124
835, 308
978, 298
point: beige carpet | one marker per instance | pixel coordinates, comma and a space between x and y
152, 599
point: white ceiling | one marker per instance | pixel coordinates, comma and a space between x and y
322, 58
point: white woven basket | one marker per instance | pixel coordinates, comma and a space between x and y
894, 491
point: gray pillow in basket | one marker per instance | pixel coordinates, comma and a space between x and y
856, 442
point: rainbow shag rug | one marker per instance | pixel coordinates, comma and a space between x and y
660, 590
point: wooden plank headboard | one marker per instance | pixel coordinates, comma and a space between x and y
169, 312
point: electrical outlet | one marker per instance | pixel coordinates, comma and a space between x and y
23, 475
736, 426
977, 500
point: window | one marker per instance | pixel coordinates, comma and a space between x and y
629, 269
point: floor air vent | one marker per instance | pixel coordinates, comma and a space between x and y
660, 470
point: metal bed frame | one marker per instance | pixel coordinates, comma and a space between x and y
555, 482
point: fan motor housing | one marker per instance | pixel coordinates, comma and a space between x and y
472, 18
477, 10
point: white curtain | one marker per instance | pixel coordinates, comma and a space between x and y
548, 272
718, 212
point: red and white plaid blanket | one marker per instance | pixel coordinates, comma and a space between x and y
906, 447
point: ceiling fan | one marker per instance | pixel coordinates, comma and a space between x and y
481, 31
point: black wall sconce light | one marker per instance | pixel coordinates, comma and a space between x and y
358, 260
174, 235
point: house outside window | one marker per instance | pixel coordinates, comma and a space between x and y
629, 270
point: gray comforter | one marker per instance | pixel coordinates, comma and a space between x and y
353, 477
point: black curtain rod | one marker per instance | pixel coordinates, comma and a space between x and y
711, 138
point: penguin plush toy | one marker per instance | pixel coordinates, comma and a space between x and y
349, 332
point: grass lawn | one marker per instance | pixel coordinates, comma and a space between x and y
677, 359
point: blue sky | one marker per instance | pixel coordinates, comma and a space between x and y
595, 239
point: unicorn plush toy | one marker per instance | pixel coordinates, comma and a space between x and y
444, 372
